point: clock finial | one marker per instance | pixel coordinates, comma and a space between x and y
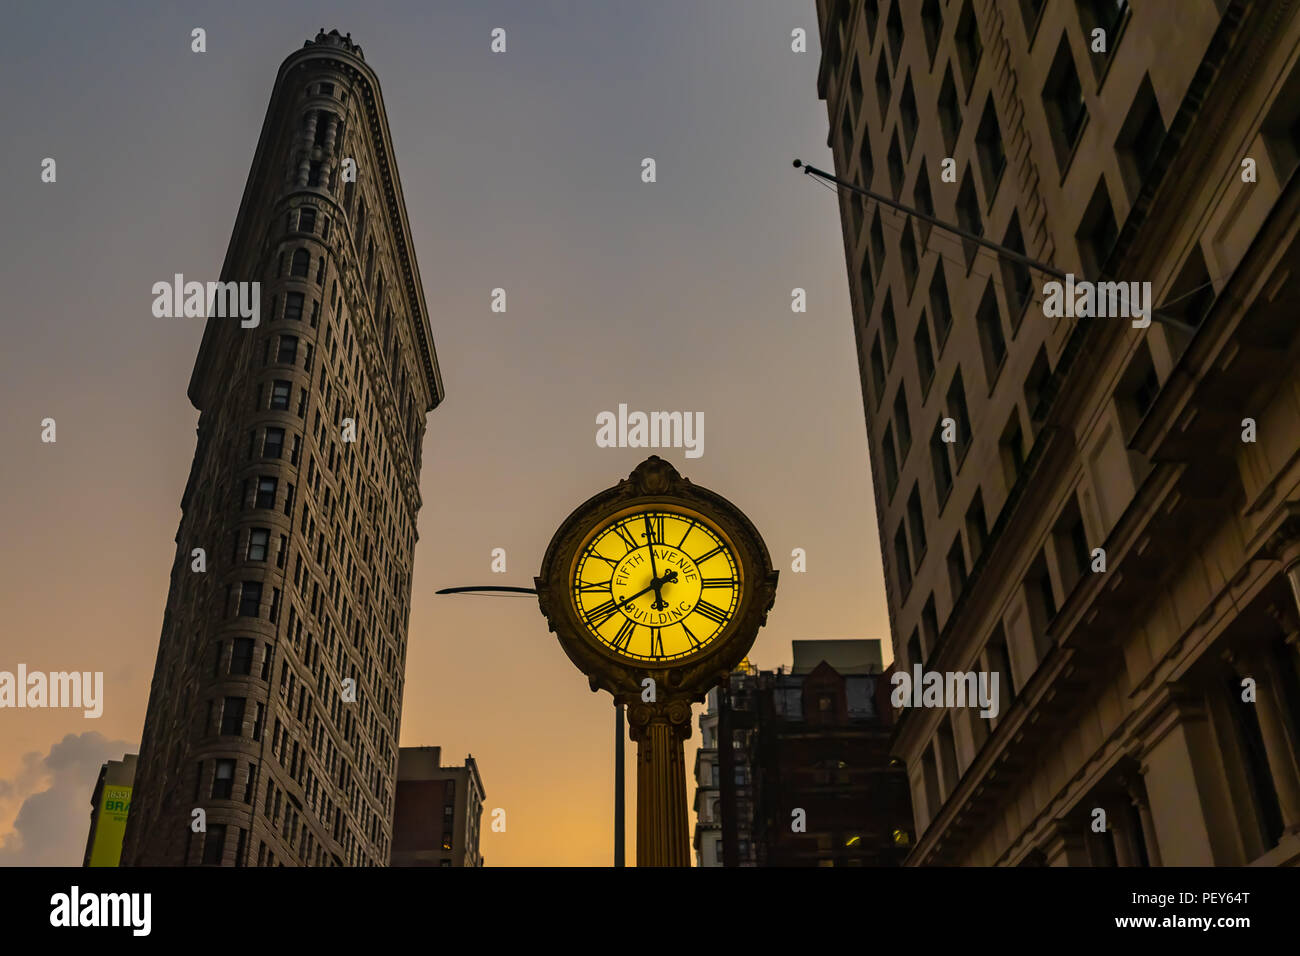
654, 476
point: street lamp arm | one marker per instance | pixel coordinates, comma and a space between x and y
486, 587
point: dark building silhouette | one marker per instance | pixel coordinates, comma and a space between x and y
277, 691
808, 780
439, 810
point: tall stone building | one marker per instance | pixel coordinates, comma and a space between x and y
278, 685
1115, 530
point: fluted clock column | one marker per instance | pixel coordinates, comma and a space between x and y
660, 731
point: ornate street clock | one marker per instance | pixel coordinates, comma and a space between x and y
656, 589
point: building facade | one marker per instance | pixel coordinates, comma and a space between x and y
809, 780
277, 691
110, 805
439, 810
1113, 529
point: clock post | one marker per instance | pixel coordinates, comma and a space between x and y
656, 589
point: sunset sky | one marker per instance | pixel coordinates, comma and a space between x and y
520, 170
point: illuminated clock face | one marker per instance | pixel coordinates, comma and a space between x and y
656, 585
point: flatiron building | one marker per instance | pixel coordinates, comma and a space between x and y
272, 726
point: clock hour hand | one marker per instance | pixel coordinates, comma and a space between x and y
655, 584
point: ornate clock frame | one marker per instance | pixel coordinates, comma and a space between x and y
660, 727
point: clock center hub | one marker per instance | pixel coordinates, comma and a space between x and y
679, 588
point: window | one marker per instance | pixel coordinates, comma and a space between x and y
940, 305
1017, 283
265, 493
1138, 388
901, 420
871, 14
214, 844
1042, 603
882, 89
877, 370
949, 111
916, 523
280, 395
932, 26
889, 328
1000, 663
241, 658
894, 32
908, 255
941, 465
1193, 293
914, 653
988, 144
969, 47
908, 114
901, 559
1040, 374
274, 444
977, 526
866, 166
957, 409
232, 717
866, 288
1138, 143
1097, 231
224, 781
1030, 11
307, 219
320, 271
1073, 556
288, 352
1011, 448
889, 460
992, 342
968, 215
877, 243
923, 200
929, 624
1281, 128
293, 306
924, 355
855, 93
314, 176
257, 542
1105, 15
250, 599
895, 163
956, 569
301, 263
1063, 101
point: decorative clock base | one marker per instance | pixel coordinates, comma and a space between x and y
662, 832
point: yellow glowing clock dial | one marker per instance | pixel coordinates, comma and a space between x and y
656, 585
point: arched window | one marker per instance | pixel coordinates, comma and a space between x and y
320, 271
301, 263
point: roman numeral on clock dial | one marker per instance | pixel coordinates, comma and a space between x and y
624, 635
627, 538
704, 557
657, 641
719, 582
715, 614
601, 613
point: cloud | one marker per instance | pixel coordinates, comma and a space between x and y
54, 819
